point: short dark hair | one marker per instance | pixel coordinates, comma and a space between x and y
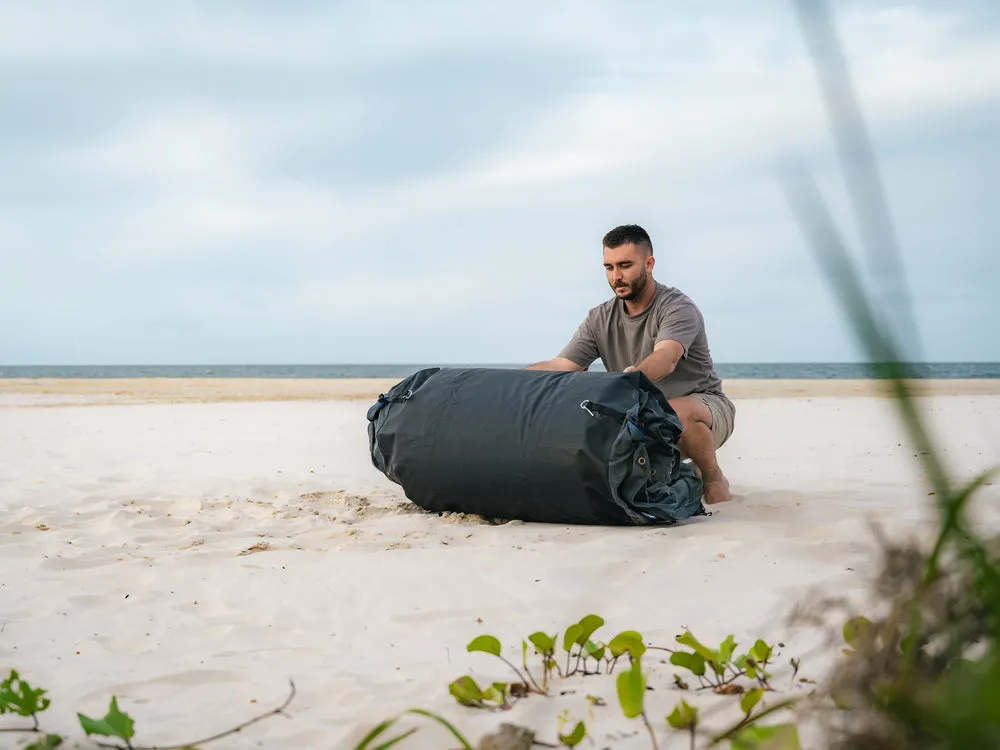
627, 234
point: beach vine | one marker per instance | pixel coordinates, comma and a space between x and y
19, 698
722, 670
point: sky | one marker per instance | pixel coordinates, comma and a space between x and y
385, 182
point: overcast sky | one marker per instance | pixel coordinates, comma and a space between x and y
239, 182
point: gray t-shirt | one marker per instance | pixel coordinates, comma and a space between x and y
621, 340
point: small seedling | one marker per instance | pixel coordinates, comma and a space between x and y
545, 645
577, 636
575, 736
627, 642
114, 724
488, 644
684, 718
468, 693
18, 697
118, 724
48, 742
631, 685
717, 669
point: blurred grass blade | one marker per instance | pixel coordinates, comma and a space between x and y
814, 219
952, 519
446, 724
396, 740
858, 161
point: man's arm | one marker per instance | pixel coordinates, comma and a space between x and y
559, 363
676, 330
664, 358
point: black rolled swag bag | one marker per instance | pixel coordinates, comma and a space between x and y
535, 445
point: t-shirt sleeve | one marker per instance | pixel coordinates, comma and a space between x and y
582, 348
680, 323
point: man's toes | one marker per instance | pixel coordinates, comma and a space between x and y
717, 492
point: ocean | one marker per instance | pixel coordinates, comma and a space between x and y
763, 370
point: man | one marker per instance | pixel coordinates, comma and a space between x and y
658, 330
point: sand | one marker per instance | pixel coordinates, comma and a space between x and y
94, 391
190, 546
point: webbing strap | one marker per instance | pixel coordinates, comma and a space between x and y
375, 408
620, 417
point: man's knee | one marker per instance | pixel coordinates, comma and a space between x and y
690, 411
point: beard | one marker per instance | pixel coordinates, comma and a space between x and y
630, 290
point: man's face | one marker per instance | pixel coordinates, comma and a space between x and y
628, 268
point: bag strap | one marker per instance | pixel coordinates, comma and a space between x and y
619, 417
382, 400
601, 410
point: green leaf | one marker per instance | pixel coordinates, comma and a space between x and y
726, 650
773, 737
571, 636
627, 640
485, 643
575, 737
466, 691
497, 692
632, 690
686, 639
593, 650
683, 717
18, 697
856, 628
761, 651
543, 642
46, 743
750, 699
114, 724
693, 662
588, 626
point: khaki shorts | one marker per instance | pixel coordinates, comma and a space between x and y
723, 415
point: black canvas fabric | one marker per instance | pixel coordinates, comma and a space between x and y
558, 447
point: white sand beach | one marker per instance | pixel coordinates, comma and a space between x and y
190, 546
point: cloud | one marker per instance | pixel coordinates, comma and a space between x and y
375, 182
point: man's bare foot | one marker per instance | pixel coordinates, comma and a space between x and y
717, 490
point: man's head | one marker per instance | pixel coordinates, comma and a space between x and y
628, 261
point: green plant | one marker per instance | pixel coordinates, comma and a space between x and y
19, 698
575, 736
684, 718
718, 669
631, 685
926, 674
382, 727
586, 656
114, 724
